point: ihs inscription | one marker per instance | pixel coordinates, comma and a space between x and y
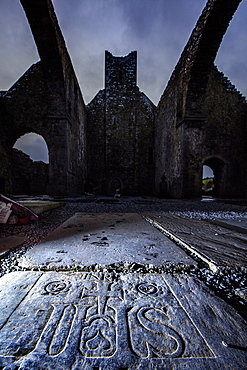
86, 316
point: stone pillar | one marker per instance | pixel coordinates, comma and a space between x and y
192, 156
58, 169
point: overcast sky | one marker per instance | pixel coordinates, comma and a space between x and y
157, 29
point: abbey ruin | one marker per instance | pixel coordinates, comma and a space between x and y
121, 141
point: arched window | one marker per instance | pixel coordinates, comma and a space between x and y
33, 145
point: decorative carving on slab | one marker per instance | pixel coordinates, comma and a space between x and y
90, 317
151, 335
56, 287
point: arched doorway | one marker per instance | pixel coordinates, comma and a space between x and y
207, 180
29, 165
115, 186
213, 172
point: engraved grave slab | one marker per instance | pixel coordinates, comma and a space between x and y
222, 246
105, 238
10, 242
104, 321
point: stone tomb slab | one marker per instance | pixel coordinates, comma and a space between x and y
105, 238
10, 242
40, 206
214, 243
239, 224
102, 321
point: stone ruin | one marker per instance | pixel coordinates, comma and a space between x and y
121, 142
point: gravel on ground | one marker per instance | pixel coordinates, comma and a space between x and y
231, 286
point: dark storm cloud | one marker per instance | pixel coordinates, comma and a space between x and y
157, 29
160, 29
168, 17
18, 51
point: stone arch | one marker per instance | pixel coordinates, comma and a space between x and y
24, 175
201, 49
182, 118
22, 129
52, 50
115, 186
37, 149
64, 113
218, 166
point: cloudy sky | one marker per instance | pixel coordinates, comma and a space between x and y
157, 29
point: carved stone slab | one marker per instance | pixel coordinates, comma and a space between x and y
103, 321
222, 246
106, 238
239, 224
10, 242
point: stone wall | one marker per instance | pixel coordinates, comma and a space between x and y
184, 123
121, 141
28, 177
225, 134
47, 100
22, 175
120, 132
23, 109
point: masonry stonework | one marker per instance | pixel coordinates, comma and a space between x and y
199, 119
120, 142
47, 100
120, 132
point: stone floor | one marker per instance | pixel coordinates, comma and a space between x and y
217, 244
80, 304
105, 239
87, 320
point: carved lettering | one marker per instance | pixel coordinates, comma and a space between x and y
147, 289
151, 335
99, 338
90, 315
62, 331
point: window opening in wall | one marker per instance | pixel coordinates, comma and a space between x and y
115, 187
207, 181
33, 145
